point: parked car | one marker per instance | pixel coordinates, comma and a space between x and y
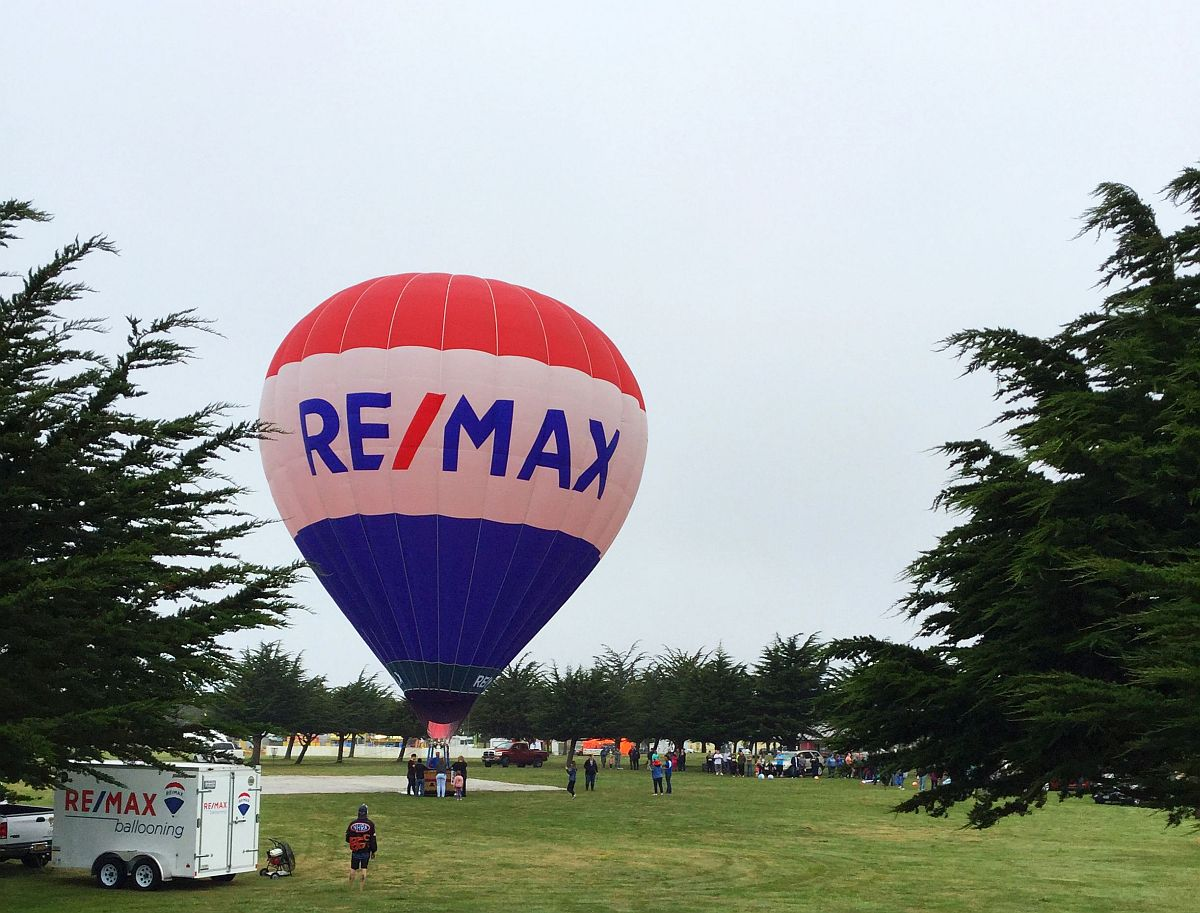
1112, 792
221, 751
518, 753
26, 832
807, 758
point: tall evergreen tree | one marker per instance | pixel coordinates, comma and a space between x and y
723, 698
264, 694
1065, 606
118, 574
574, 707
618, 674
788, 683
668, 697
315, 716
512, 704
358, 707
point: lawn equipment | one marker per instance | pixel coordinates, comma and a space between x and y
281, 861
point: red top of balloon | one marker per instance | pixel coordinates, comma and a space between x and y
443, 311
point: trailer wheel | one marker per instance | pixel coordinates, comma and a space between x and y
145, 874
537, 763
109, 871
224, 878
35, 860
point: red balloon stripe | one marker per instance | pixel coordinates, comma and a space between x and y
443, 311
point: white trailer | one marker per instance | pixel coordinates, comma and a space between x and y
198, 821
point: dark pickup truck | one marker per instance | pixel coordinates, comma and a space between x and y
518, 753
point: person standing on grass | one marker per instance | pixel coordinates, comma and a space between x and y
412, 776
571, 774
668, 767
656, 774
460, 767
360, 835
441, 778
589, 774
419, 773
460, 785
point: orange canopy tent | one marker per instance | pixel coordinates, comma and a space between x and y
597, 744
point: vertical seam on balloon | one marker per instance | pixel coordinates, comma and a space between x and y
586, 351
354, 493
437, 516
446, 310
396, 308
371, 641
370, 604
525, 521
412, 603
610, 350
495, 315
312, 326
541, 323
629, 491
486, 484
624, 373
571, 506
416, 628
402, 641
353, 308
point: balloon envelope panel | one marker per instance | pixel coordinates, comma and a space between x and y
456, 454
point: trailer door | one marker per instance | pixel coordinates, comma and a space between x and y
216, 800
243, 844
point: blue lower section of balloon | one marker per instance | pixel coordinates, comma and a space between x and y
449, 597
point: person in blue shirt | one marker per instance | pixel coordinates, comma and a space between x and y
571, 774
656, 774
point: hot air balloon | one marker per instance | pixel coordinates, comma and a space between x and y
454, 456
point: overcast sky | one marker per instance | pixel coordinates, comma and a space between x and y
774, 210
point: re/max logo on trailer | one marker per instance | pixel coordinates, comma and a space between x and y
321, 424
103, 801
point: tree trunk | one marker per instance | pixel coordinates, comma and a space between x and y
341, 745
403, 745
287, 755
617, 752
306, 739
256, 749
353, 742
571, 750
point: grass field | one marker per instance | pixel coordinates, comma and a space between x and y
715, 843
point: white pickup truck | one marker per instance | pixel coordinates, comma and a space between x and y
26, 832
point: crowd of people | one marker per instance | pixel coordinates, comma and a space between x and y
661, 766
454, 775
361, 833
